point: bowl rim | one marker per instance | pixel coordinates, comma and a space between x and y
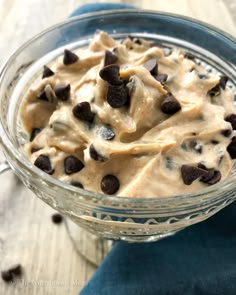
89, 195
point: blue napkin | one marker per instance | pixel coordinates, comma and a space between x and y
200, 260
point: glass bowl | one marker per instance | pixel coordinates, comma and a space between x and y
118, 218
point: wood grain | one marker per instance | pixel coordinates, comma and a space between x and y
51, 264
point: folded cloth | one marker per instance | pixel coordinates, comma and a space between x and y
200, 260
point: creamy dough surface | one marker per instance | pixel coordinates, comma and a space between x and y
131, 119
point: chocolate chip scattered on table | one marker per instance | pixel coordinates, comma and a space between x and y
57, 218
10, 274
131, 117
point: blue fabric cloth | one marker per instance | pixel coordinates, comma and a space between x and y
93, 7
200, 260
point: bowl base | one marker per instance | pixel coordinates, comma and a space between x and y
94, 248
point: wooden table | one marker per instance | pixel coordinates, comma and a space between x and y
51, 264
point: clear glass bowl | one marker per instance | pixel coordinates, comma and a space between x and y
136, 220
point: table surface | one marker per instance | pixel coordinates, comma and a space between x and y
50, 261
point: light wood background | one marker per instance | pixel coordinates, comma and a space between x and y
51, 264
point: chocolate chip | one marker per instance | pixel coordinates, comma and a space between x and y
212, 177
189, 55
216, 178
95, 155
162, 78
126, 80
111, 74
191, 173
72, 165
35, 149
43, 162
77, 184
208, 176
117, 96
215, 142
47, 72
62, 92
47, 94
110, 58
223, 81
42, 95
202, 166
232, 148
137, 41
170, 105
69, 57
107, 133
196, 146
215, 91
151, 66
82, 111
232, 120
34, 133
57, 218
110, 184
7, 276
226, 132
16, 270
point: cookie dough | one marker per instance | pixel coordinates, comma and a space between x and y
130, 118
